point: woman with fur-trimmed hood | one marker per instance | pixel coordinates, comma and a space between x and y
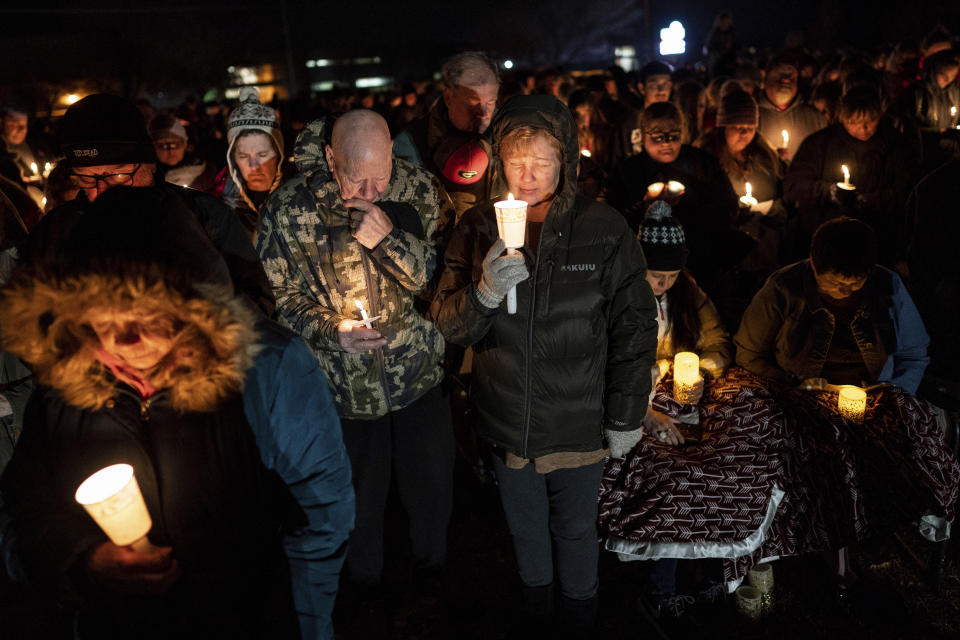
144, 356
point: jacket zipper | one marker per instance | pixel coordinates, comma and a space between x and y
375, 310
528, 352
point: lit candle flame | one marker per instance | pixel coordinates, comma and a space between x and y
953, 111
786, 138
33, 167
363, 312
586, 153
509, 196
749, 191
846, 174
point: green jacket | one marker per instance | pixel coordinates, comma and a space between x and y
576, 356
318, 271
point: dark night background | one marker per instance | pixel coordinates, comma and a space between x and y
155, 48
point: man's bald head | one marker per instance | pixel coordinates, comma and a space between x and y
360, 155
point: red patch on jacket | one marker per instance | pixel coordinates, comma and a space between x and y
466, 165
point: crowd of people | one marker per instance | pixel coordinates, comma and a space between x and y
262, 307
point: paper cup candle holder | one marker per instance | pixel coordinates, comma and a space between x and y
512, 227
112, 498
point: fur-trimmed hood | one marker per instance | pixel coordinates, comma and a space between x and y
137, 251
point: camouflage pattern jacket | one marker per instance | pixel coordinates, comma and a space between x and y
319, 272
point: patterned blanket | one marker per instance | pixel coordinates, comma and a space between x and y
776, 472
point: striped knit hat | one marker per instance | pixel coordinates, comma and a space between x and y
662, 238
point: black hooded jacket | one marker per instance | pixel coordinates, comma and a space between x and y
576, 356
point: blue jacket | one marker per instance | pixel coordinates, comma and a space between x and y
289, 407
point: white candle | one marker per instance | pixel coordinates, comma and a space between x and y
748, 200
112, 498
512, 226
363, 314
786, 138
686, 374
846, 179
852, 403
47, 168
33, 168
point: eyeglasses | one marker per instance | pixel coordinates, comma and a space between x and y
669, 136
169, 146
110, 179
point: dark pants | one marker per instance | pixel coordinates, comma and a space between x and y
415, 444
553, 515
663, 577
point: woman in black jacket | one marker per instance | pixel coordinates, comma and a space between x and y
572, 362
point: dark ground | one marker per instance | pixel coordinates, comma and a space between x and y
478, 595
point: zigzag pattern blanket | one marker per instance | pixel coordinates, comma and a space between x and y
776, 472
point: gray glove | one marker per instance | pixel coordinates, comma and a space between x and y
621, 442
500, 274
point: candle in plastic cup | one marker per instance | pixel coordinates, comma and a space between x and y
112, 498
511, 221
512, 226
686, 375
852, 403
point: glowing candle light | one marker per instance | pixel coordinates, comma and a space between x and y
845, 185
33, 168
363, 314
112, 498
852, 403
512, 226
47, 168
675, 188
586, 153
748, 200
686, 374
786, 138
654, 189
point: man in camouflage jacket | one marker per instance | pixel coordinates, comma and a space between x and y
358, 227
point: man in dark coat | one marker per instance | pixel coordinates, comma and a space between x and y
107, 145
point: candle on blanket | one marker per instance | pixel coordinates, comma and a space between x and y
686, 375
112, 498
852, 403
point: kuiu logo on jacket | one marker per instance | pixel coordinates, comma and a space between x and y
579, 267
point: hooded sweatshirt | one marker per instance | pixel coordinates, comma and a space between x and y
576, 356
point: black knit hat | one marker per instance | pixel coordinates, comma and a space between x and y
662, 238
736, 106
104, 129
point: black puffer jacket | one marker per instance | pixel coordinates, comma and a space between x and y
576, 356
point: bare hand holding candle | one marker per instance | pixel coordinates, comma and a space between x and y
846, 191
112, 498
512, 226
367, 320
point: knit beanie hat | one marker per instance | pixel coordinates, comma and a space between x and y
736, 106
662, 238
251, 115
104, 129
166, 126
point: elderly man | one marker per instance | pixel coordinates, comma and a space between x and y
449, 140
347, 245
781, 109
106, 145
